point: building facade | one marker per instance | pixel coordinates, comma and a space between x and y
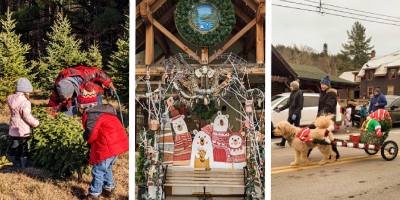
382, 72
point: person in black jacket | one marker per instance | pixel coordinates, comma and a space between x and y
327, 98
327, 105
295, 105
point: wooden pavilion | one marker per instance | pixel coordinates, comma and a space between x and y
157, 38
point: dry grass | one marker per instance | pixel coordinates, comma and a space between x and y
35, 184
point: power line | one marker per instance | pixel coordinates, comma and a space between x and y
362, 11
341, 11
334, 14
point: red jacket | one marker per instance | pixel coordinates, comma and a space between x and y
104, 132
88, 74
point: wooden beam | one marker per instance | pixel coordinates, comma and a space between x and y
154, 6
149, 51
157, 5
232, 40
176, 41
260, 12
260, 34
159, 70
260, 43
144, 10
138, 8
204, 56
164, 19
251, 4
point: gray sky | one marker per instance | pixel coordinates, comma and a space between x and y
312, 29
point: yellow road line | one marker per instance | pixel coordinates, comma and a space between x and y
283, 169
316, 163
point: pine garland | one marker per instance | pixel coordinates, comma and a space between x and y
220, 33
205, 112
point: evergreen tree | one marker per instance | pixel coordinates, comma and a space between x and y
13, 63
63, 51
94, 57
325, 50
357, 46
119, 68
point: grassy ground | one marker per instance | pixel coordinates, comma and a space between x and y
35, 184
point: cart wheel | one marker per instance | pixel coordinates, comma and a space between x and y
389, 150
371, 151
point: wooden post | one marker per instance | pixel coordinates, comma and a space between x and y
204, 56
146, 14
149, 52
260, 34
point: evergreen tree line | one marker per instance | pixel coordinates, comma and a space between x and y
355, 53
64, 49
91, 21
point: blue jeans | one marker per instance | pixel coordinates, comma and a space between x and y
102, 176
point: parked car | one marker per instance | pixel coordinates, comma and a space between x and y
393, 107
308, 114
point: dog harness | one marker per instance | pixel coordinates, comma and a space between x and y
303, 135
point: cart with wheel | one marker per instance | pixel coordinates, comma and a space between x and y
371, 145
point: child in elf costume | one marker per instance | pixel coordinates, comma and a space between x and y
376, 125
382, 116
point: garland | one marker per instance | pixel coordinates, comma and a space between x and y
205, 112
205, 39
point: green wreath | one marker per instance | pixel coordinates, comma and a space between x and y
220, 31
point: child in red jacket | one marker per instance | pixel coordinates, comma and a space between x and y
107, 139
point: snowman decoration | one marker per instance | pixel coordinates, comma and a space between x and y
202, 151
220, 137
237, 153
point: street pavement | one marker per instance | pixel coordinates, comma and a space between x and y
355, 175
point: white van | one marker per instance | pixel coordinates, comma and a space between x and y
308, 114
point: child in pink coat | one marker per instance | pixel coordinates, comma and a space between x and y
21, 122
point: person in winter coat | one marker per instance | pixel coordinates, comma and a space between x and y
327, 98
69, 83
295, 105
21, 122
327, 105
378, 101
107, 139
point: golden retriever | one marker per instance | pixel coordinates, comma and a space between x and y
301, 148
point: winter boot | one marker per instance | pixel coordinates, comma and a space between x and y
108, 193
91, 197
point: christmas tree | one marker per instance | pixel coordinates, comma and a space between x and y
94, 57
63, 51
13, 64
119, 66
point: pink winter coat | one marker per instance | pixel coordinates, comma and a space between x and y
21, 119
